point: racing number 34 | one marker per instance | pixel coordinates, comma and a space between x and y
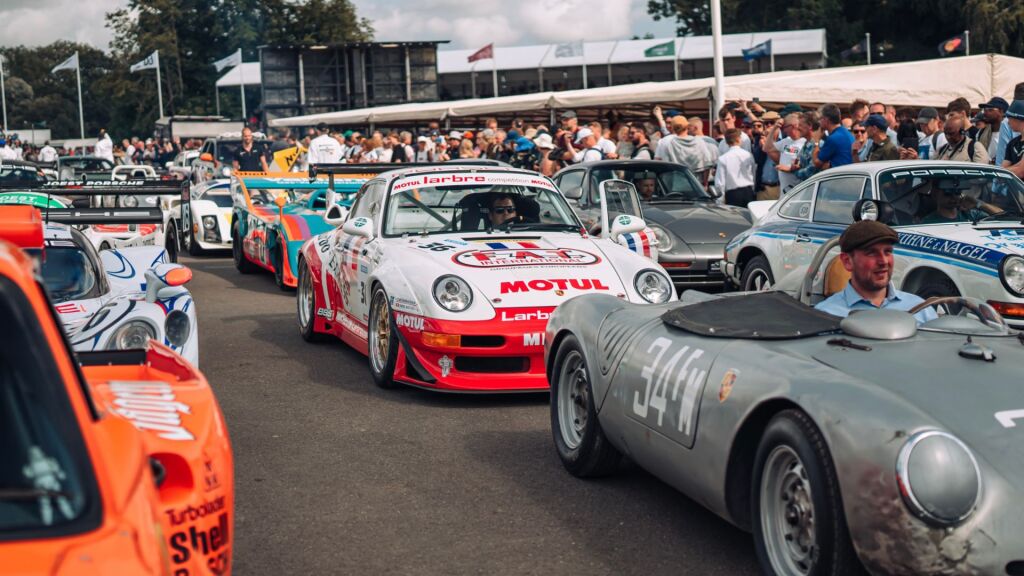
679, 372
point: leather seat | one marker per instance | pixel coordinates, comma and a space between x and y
836, 277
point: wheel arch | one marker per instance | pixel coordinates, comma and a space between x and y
746, 254
556, 341
922, 275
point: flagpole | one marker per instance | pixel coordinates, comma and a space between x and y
967, 42
716, 36
159, 86
81, 116
494, 74
867, 36
241, 77
583, 55
771, 54
3, 93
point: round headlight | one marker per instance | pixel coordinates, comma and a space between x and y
225, 172
869, 211
132, 335
452, 293
664, 238
653, 286
1011, 272
209, 222
177, 327
129, 201
938, 477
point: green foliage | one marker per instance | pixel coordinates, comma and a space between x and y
190, 35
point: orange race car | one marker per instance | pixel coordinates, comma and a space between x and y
114, 462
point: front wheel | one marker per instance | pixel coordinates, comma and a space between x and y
171, 243
242, 263
757, 275
279, 264
305, 300
189, 238
579, 439
797, 510
941, 287
382, 341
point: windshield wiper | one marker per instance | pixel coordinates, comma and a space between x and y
999, 215
30, 494
540, 226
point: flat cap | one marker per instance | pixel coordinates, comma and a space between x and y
865, 233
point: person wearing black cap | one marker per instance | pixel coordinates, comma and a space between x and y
993, 112
324, 149
867, 254
1014, 159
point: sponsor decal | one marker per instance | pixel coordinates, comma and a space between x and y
455, 241
727, 381
436, 247
557, 284
669, 386
445, 363
408, 321
525, 257
534, 339
403, 304
486, 179
359, 222
641, 242
151, 406
350, 325
324, 313
93, 184
951, 172
193, 513
1007, 417
69, 308
208, 542
950, 247
514, 316
624, 220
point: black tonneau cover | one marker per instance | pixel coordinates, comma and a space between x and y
761, 316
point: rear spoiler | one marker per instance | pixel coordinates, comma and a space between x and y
131, 186
88, 216
381, 167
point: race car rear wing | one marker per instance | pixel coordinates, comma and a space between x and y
379, 168
111, 216
91, 216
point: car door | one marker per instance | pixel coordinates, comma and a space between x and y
832, 212
357, 254
782, 243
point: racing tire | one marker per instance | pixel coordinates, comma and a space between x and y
580, 441
241, 262
278, 259
171, 243
942, 286
193, 247
796, 509
757, 275
305, 300
382, 341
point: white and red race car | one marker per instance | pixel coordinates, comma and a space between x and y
443, 287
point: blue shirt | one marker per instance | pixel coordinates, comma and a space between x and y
1005, 135
838, 148
842, 303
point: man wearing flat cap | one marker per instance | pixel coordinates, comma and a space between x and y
867, 254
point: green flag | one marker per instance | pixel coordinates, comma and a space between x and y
666, 49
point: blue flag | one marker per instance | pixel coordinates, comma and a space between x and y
762, 50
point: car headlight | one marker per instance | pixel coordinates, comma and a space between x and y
452, 293
225, 172
129, 201
209, 222
1011, 272
664, 238
653, 286
938, 477
177, 327
132, 335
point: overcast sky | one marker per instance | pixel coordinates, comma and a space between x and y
466, 23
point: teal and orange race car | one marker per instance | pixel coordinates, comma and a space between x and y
273, 213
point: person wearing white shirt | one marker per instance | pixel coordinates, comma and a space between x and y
606, 146
588, 150
104, 146
6, 152
47, 153
735, 171
785, 151
423, 152
727, 121
324, 149
129, 152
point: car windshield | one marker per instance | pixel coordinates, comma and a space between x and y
438, 209
221, 200
655, 183
10, 173
68, 273
97, 164
949, 195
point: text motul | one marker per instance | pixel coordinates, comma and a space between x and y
552, 284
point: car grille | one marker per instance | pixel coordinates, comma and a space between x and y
687, 277
492, 364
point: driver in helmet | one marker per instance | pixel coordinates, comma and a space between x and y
867, 254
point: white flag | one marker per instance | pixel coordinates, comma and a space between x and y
229, 62
69, 64
569, 49
150, 62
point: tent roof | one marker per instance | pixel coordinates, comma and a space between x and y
630, 51
922, 83
250, 71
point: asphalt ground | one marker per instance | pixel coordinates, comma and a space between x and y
336, 476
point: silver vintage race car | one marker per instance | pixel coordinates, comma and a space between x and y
843, 444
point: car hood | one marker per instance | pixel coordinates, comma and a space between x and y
986, 242
962, 395
514, 271
699, 223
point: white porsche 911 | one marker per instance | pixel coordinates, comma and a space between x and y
445, 276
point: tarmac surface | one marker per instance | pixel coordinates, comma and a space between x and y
336, 476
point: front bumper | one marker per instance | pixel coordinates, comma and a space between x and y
505, 354
702, 273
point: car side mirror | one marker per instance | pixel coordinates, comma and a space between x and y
359, 227
280, 201
335, 215
162, 277
574, 194
169, 164
626, 224
878, 210
206, 157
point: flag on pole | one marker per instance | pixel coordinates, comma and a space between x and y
666, 49
229, 62
569, 49
148, 63
483, 53
762, 50
855, 50
69, 64
955, 44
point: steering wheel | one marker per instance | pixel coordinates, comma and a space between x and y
981, 310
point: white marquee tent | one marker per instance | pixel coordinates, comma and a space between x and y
921, 83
